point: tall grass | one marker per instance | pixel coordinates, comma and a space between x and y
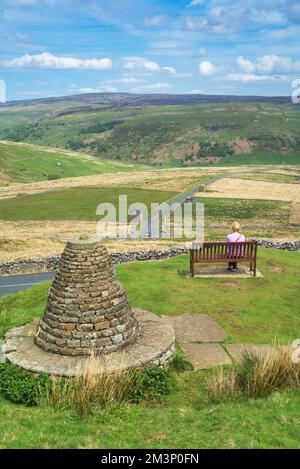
90, 390
254, 377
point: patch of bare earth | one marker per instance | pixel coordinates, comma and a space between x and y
241, 146
275, 268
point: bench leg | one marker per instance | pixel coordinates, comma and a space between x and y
191, 266
254, 269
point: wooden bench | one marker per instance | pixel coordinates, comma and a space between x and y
209, 253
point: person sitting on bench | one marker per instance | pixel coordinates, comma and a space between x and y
234, 237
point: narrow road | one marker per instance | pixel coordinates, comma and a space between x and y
15, 283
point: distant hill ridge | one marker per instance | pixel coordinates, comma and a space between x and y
128, 99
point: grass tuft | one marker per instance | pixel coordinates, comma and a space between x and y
89, 390
254, 377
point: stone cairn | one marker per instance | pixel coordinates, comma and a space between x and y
87, 310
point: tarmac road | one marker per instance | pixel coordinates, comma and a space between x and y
15, 283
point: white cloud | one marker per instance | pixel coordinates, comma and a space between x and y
202, 52
102, 89
224, 18
129, 80
155, 20
126, 80
196, 92
171, 70
49, 61
155, 87
139, 63
195, 3
206, 68
134, 63
32, 2
196, 22
271, 17
269, 64
246, 77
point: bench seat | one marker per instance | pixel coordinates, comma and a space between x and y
215, 252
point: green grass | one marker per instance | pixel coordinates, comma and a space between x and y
256, 310
265, 158
74, 204
181, 423
251, 211
250, 310
28, 164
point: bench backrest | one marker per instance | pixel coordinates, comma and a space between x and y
222, 250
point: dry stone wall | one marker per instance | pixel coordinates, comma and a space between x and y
49, 264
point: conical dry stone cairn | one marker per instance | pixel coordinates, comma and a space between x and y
87, 310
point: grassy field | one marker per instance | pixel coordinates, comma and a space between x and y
78, 203
270, 177
249, 310
257, 158
255, 132
81, 203
249, 212
20, 163
183, 422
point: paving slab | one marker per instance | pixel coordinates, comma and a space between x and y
203, 356
217, 271
237, 351
195, 328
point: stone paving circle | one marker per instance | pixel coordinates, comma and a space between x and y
155, 345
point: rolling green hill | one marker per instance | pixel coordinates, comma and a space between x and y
178, 134
27, 163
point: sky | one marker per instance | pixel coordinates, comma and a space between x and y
65, 47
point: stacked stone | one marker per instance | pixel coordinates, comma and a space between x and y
87, 310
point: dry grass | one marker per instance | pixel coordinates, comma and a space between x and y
247, 189
173, 179
89, 390
30, 239
176, 179
33, 239
254, 377
295, 215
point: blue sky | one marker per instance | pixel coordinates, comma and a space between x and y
64, 47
